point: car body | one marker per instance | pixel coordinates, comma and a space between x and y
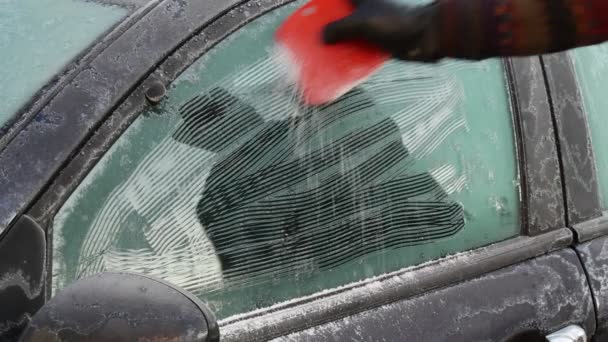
523, 246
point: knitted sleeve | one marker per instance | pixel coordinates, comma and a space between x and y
478, 29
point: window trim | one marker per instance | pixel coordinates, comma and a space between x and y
542, 216
577, 158
568, 101
591, 229
543, 210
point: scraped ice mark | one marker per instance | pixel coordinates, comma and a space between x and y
60, 240
427, 104
448, 178
286, 63
269, 85
178, 250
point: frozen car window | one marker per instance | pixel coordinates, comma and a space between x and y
238, 193
591, 65
39, 37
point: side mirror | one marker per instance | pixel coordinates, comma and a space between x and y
122, 307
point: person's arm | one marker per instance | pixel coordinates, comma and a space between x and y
474, 29
487, 28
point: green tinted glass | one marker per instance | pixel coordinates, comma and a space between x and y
591, 65
236, 192
39, 37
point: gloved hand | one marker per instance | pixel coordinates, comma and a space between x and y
408, 33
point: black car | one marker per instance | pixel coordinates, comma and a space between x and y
158, 146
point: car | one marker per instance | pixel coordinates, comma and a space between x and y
161, 140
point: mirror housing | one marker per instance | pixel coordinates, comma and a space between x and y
122, 307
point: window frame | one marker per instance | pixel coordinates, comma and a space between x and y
542, 205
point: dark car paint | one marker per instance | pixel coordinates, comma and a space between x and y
22, 276
154, 46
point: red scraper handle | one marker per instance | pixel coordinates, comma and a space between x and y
325, 72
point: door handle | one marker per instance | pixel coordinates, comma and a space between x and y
572, 333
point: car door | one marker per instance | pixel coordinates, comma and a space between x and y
427, 204
578, 79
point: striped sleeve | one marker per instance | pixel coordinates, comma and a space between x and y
478, 29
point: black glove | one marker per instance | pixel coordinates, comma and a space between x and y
408, 33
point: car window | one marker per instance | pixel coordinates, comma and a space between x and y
591, 65
235, 191
39, 37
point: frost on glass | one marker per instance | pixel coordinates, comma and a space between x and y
242, 195
591, 65
38, 37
